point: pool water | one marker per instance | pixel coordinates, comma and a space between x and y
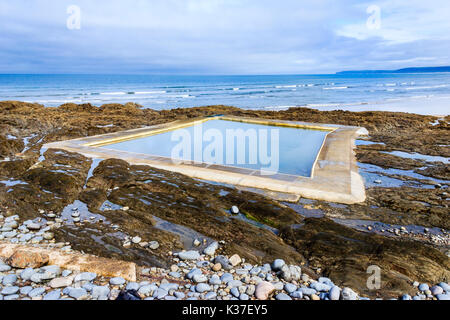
270, 149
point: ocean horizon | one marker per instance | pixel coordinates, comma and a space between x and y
422, 93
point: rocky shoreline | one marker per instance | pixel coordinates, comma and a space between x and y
192, 276
136, 213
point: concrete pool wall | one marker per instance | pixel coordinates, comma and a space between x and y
335, 175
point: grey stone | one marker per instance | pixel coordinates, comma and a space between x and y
160, 294
9, 279
282, 296
175, 274
36, 292
179, 295
147, 289
169, 286
241, 272
4, 268
224, 262
210, 295
100, 292
88, 286
289, 287
85, 276
215, 280
10, 290
443, 296
211, 249
348, 294
77, 293
60, 282
226, 277
244, 297
290, 273
26, 290
297, 295
321, 287
445, 286
435, 290
189, 255
251, 290
153, 245
235, 292
278, 264
53, 295
198, 278
266, 268
66, 273
278, 286
202, 287
117, 281
11, 297
193, 272
334, 293
424, 287
255, 271
132, 286
234, 283
307, 291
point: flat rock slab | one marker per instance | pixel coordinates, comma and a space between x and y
76, 261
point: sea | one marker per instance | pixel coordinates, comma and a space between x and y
422, 93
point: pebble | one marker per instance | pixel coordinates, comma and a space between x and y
10, 290
60, 282
100, 292
424, 287
36, 292
348, 294
235, 260
189, 255
193, 272
224, 262
278, 264
77, 293
235, 292
160, 294
9, 279
289, 287
52, 295
263, 290
136, 240
147, 289
4, 268
211, 249
445, 286
215, 280
117, 281
85, 276
334, 293
226, 277
234, 210
282, 296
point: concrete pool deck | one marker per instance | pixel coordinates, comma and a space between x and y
335, 175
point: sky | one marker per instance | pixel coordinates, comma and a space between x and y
221, 36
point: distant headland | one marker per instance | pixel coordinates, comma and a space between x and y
405, 70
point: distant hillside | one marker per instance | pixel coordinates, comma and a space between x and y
405, 70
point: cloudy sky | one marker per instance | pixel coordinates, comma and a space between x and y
221, 36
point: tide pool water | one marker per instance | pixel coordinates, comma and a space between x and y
270, 149
423, 93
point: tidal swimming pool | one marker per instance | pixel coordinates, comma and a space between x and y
270, 149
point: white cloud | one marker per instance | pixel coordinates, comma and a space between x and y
221, 36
